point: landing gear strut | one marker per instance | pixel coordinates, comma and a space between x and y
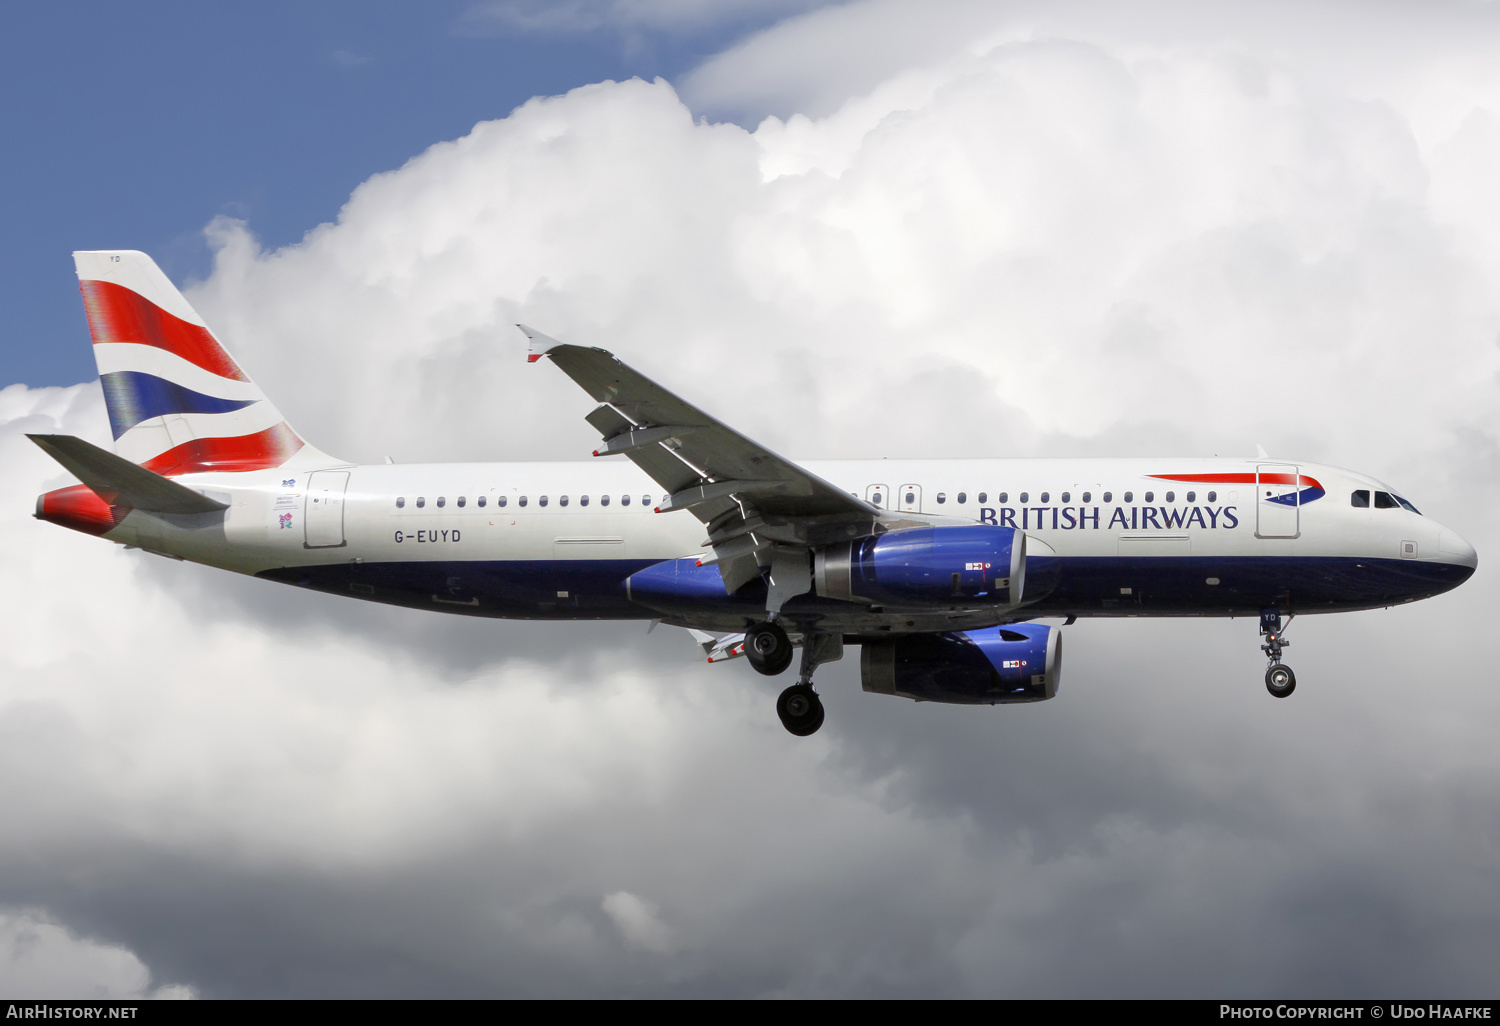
1280, 680
800, 709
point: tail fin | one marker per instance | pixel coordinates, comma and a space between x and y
177, 402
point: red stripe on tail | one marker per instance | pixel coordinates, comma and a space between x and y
116, 314
260, 451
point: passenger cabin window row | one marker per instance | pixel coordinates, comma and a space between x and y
502, 501
1003, 498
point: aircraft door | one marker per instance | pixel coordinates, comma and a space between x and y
878, 495
1277, 501
909, 498
323, 509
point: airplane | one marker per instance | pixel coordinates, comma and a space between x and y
937, 569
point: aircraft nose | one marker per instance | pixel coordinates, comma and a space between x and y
1453, 549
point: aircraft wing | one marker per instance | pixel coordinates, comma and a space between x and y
750, 498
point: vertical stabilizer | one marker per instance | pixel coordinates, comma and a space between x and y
177, 402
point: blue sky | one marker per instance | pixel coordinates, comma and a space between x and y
133, 125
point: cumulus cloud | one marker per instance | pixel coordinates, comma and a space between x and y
40, 959
1037, 244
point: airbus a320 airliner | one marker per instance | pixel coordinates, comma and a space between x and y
937, 569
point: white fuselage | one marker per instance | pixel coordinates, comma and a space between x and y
1120, 520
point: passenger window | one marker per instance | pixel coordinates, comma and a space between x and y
1046, 496
1004, 498
983, 497
1192, 496
646, 500
481, 502
1171, 496
461, 501
604, 500
963, 497
875, 499
1360, 499
583, 500
1025, 498
563, 501
1129, 496
421, 501
542, 501
522, 501
1109, 496
1150, 496
624, 500
1067, 497
400, 502
1088, 497
442, 502
942, 497
1213, 496
1384, 500
501, 502
911, 497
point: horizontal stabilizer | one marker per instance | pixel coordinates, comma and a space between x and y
118, 481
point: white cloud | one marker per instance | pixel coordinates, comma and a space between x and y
1049, 243
40, 960
638, 921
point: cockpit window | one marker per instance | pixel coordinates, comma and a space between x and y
1385, 500
1407, 505
1360, 498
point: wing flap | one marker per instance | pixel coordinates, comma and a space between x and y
703, 464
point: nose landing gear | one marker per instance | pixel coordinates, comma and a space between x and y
1280, 680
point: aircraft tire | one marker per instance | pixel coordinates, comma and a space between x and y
800, 709
768, 648
1280, 680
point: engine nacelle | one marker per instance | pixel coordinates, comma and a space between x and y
926, 566
1020, 662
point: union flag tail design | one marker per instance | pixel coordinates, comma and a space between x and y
177, 402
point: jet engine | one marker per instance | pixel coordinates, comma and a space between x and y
926, 566
994, 666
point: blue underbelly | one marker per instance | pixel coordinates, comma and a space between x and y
1069, 586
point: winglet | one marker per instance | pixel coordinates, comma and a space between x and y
538, 344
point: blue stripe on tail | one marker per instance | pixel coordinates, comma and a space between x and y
132, 397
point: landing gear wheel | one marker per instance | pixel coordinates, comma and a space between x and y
1280, 680
768, 648
800, 709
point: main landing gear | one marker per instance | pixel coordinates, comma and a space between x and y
1280, 680
770, 651
768, 648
